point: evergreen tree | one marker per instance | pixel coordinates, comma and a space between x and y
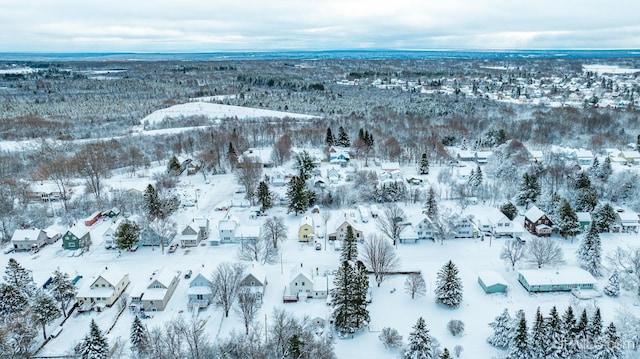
12, 300
173, 167
232, 156
294, 350
343, 138
152, 202
431, 205
529, 190
590, 252
139, 337
304, 165
127, 234
62, 289
519, 347
568, 224
475, 179
420, 342
449, 286
509, 210
95, 344
539, 340
297, 196
329, 139
360, 288
45, 311
445, 354
349, 248
341, 299
605, 170
555, 335
424, 165
569, 329
20, 278
594, 333
264, 196
581, 333
604, 216
613, 287
610, 348
501, 330
595, 167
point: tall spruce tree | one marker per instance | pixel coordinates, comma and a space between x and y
590, 252
12, 300
431, 205
297, 201
95, 344
173, 167
329, 139
610, 348
424, 165
582, 333
45, 311
360, 287
604, 216
139, 337
568, 224
519, 347
529, 190
342, 299
343, 138
569, 329
264, 196
539, 339
594, 333
62, 289
152, 202
502, 327
509, 210
349, 248
420, 344
555, 335
449, 286
19, 277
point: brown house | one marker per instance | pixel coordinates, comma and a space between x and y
537, 222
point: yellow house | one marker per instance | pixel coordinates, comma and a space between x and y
305, 231
104, 288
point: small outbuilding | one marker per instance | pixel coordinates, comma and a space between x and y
492, 282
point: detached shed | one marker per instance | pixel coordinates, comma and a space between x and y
554, 280
492, 282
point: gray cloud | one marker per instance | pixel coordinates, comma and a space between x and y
218, 25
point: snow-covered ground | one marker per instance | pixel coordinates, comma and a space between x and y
391, 306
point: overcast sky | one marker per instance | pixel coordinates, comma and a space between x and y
230, 25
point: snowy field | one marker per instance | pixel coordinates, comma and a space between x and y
391, 306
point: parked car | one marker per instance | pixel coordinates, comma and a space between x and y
134, 248
187, 274
172, 248
318, 246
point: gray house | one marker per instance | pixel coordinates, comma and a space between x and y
200, 291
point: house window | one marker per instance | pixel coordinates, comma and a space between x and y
199, 297
72, 244
151, 302
103, 285
302, 284
253, 283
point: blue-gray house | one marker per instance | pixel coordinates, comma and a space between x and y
200, 291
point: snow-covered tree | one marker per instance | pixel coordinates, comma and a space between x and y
248, 174
127, 234
512, 251
431, 205
544, 251
379, 256
343, 138
519, 346
389, 222
247, 307
590, 252
329, 140
420, 344
628, 327
445, 354
259, 250
390, 338
529, 190
152, 202
226, 284
555, 334
502, 328
19, 277
94, 345
45, 311
538, 338
627, 262
62, 289
415, 285
581, 332
304, 165
274, 230
139, 337
509, 210
475, 179
299, 198
264, 196
610, 348
604, 216
567, 224
594, 333
424, 165
349, 247
569, 325
612, 288
12, 300
449, 286
341, 299
173, 167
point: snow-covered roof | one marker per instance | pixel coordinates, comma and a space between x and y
248, 231
582, 153
568, 275
201, 222
534, 213
198, 289
628, 218
164, 277
30, 234
306, 220
112, 274
495, 216
583, 216
297, 270
390, 166
79, 230
227, 225
490, 278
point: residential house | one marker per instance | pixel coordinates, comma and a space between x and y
408, 234
155, 295
305, 229
466, 156
200, 292
93, 218
584, 218
629, 157
341, 232
149, 237
45, 191
26, 239
584, 157
278, 178
333, 175
626, 221
109, 237
76, 237
424, 227
481, 157
111, 213
52, 235
553, 280
339, 157
465, 227
302, 284
227, 229
536, 156
500, 226
256, 282
105, 288
194, 232
537, 223
492, 282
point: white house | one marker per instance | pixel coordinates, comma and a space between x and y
627, 221
278, 178
227, 229
200, 292
105, 288
302, 284
26, 239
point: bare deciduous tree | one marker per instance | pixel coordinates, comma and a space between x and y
247, 308
193, 333
165, 229
627, 261
260, 250
274, 230
415, 285
512, 251
226, 284
390, 222
94, 163
544, 251
248, 173
379, 256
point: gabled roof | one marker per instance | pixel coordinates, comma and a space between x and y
79, 230
201, 222
112, 274
164, 277
227, 225
306, 220
583, 216
490, 278
495, 216
299, 270
534, 213
30, 234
